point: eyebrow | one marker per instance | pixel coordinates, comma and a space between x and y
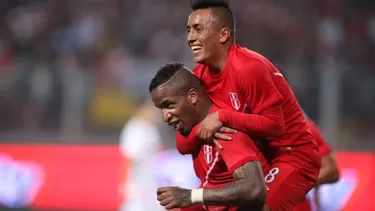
193, 26
163, 103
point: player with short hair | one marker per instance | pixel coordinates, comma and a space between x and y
232, 178
253, 97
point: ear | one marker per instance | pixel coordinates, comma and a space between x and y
224, 35
192, 96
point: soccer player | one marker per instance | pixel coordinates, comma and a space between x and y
329, 172
140, 148
253, 97
232, 178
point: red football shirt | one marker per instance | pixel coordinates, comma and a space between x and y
214, 167
324, 148
249, 84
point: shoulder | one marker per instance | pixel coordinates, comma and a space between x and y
250, 62
241, 145
198, 69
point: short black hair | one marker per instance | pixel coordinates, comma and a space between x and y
203, 4
221, 9
165, 73
178, 76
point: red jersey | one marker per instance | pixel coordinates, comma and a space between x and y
249, 83
214, 167
324, 148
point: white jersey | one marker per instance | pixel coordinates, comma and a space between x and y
174, 169
139, 142
151, 168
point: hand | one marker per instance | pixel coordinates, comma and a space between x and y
174, 197
209, 126
212, 129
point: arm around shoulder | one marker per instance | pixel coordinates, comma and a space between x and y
263, 100
188, 144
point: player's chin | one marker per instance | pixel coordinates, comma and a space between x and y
199, 59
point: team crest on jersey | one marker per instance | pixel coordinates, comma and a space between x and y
208, 153
234, 100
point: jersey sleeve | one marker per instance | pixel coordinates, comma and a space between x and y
189, 144
324, 148
270, 123
239, 151
263, 99
256, 80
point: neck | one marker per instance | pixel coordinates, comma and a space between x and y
217, 64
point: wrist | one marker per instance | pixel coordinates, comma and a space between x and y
223, 114
197, 196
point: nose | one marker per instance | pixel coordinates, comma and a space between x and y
166, 115
191, 38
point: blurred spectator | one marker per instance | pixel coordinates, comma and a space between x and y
139, 141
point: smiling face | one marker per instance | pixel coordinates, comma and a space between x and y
177, 108
204, 37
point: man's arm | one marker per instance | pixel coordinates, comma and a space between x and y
241, 157
243, 160
248, 189
189, 144
329, 172
262, 98
268, 123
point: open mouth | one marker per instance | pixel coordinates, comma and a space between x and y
176, 125
196, 48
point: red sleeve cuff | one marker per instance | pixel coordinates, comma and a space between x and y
224, 116
241, 162
324, 150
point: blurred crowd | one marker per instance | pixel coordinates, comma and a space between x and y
73, 68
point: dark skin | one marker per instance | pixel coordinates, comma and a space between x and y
245, 191
176, 98
184, 103
329, 173
213, 38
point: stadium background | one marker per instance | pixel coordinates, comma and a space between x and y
72, 73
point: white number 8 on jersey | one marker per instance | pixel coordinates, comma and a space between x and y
270, 177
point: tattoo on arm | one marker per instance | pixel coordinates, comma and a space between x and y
249, 188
